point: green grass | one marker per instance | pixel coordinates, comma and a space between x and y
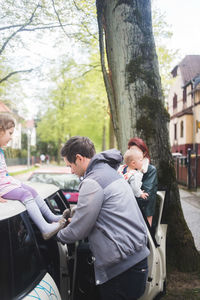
23, 171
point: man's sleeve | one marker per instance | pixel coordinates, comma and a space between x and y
89, 205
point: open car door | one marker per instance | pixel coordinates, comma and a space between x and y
156, 283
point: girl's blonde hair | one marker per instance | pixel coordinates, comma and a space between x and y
6, 122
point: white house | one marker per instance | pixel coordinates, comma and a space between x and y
184, 105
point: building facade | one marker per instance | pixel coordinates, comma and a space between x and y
184, 105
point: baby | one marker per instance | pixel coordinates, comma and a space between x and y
132, 171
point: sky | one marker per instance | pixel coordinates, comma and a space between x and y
183, 16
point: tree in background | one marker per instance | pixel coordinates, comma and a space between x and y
77, 106
26, 28
166, 56
133, 85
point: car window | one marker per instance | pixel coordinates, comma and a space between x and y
5, 262
19, 257
68, 182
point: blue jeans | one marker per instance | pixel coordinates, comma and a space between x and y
129, 285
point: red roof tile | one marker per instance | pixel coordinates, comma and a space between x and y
190, 67
4, 108
30, 124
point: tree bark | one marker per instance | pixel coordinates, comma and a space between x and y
104, 137
111, 135
134, 92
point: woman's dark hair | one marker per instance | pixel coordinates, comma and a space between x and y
78, 145
6, 122
140, 144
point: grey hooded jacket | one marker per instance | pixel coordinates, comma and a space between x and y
107, 213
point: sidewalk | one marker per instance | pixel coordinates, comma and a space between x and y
12, 169
190, 202
190, 193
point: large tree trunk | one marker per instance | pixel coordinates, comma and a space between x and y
136, 102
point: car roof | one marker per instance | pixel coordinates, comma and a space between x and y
43, 189
11, 208
14, 207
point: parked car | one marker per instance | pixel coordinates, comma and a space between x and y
62, 178
24, 274
34, 268
177, 154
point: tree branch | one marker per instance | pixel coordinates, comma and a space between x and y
20, 29
106, 75
102, 49
58, 17
13, 73
85, 26
46, 26
10, 26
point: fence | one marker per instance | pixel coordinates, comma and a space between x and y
21, 161
188, 169
16, 161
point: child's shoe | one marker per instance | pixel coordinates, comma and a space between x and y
61, 224
66, 213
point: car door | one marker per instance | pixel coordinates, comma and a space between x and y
22, 273
157, 259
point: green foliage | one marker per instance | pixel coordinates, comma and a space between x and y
32, 169
77, 106
166, 56
15, 153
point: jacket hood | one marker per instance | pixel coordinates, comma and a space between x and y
112, 157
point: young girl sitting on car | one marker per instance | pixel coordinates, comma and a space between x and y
13, 189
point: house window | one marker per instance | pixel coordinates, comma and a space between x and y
175, 131
175, 101
181, 129
184, 95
